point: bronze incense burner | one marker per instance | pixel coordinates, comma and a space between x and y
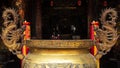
59, 53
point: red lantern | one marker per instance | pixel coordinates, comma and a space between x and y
105, 3
51, 3
79, 2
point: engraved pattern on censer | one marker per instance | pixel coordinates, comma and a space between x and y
57, 65
59, 43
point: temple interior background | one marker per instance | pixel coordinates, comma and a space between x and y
48, 17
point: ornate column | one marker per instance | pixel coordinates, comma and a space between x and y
38, 20
90, 14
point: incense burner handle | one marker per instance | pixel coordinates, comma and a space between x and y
12, 33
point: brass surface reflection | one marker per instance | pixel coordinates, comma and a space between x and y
59, 55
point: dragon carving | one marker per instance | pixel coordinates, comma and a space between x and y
11, 33
106, 36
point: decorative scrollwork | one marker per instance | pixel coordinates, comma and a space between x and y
10, 16
107, 34
11, 33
